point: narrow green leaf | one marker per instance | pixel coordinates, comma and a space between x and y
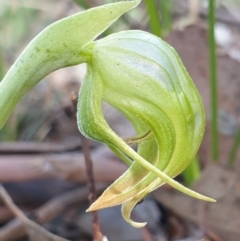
192, 172
82, 3
233, 152
213, 79
154, 20
166, 15
1, 64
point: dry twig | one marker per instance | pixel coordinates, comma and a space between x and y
53, 208
68, 166
91, 182
35, 232
35, 147
92, 190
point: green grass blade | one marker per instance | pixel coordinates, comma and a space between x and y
233, 153
192, 172
213, 80
166, 15
82, 3
154, 21
2, 72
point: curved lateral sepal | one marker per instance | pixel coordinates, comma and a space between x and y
110, 198
171, 181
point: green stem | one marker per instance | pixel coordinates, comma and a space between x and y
166, 14
1, 64
192, 172
153, 17
213, 79
233, 153
82, 3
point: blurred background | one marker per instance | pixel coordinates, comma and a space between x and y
41, 161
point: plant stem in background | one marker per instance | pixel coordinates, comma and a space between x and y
213, 80
233, 153
82, 3
166, 15
1, 64
192, 172
154, 21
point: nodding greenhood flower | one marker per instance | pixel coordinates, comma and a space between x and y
137, 73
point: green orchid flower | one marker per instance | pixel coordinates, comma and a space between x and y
137, 73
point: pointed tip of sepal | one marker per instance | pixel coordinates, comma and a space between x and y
100, 203
208, 199
103, 202
89, 210
92, 208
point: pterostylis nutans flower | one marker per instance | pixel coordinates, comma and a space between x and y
143, 77
137, 73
